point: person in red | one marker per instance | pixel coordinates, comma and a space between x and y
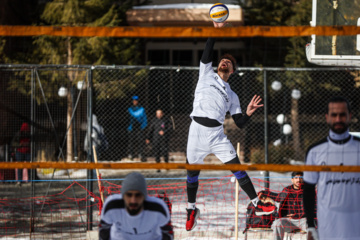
291, 208
21, 143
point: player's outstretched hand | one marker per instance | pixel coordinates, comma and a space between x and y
253, 105
219, 24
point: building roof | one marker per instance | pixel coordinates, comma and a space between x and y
190, 14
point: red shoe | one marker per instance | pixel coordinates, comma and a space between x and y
192, 216
264, 208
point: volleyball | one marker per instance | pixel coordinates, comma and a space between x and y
219, 12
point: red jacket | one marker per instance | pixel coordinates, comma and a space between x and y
24, 139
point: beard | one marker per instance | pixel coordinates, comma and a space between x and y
136, 208
223, 70
341, 130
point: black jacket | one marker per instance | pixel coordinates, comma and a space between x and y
156, 126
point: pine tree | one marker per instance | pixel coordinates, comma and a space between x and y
296, 50
94, 50
296, 57
266, 51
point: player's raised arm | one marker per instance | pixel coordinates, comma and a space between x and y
208, 51
241, 119
209, 47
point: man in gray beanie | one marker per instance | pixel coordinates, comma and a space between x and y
135, 215
134, 185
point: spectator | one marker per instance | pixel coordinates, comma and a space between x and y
158, 135
138, 123
338, 193
21, 144
291, 210
133, 214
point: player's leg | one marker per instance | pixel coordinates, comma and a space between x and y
244, 181
246, 184
197, 149
224, 150
192, 185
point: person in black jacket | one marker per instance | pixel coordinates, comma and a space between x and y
158, 134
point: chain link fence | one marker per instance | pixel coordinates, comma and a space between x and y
293, 118
57, 101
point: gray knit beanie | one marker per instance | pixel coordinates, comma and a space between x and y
134, 181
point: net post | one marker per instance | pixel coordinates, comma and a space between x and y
97, 176
237, 198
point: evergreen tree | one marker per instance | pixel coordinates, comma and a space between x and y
80, 51
266, 51
94, 50
296, 56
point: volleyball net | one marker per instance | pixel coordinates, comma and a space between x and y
59, 206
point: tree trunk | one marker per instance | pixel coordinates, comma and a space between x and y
295, 129
69, 139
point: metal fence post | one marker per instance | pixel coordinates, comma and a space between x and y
89, 184
266, 128
32, 149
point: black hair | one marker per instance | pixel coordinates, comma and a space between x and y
338, 99
293, 174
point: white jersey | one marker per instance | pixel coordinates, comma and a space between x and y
338, 193
145, 225
213, 96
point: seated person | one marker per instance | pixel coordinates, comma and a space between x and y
291, 209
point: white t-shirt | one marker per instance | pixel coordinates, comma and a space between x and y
145, 225
213, 96
338, 193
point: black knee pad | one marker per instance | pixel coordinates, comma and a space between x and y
244, 180
241, 176
192, 179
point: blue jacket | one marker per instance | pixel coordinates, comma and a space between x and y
137, 117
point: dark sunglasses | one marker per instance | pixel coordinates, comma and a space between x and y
137, 195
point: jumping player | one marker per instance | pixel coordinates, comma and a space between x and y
338, 193
213, 99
